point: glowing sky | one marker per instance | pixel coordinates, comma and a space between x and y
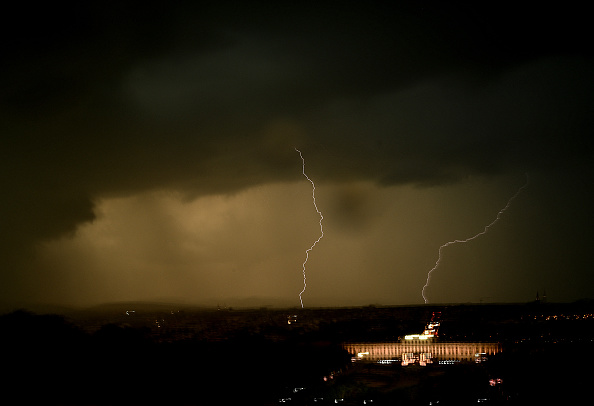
148, 153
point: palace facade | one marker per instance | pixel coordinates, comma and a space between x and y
423, 348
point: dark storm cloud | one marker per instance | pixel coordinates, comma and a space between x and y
113, 99
443, 128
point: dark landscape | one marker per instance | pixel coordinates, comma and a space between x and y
138, 354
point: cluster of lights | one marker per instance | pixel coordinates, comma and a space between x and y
417, 337
412, 358
448, 362
480, 357
568, 317
430, 331
340, 400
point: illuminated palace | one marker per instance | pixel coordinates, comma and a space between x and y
423, 349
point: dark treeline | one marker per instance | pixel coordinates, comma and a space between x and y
47, 360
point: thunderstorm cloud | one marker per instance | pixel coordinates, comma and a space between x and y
148, 152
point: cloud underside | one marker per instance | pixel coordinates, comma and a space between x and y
204, 104
431, 132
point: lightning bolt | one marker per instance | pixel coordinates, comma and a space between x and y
313, 195
485, 230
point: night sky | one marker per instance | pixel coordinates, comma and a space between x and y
148, 152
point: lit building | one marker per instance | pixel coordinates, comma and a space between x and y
424, 348
433, 325
439, 351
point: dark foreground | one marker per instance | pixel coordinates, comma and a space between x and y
146, 355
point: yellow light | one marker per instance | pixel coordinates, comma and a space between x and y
418, 336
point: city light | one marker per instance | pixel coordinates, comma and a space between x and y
417, 337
